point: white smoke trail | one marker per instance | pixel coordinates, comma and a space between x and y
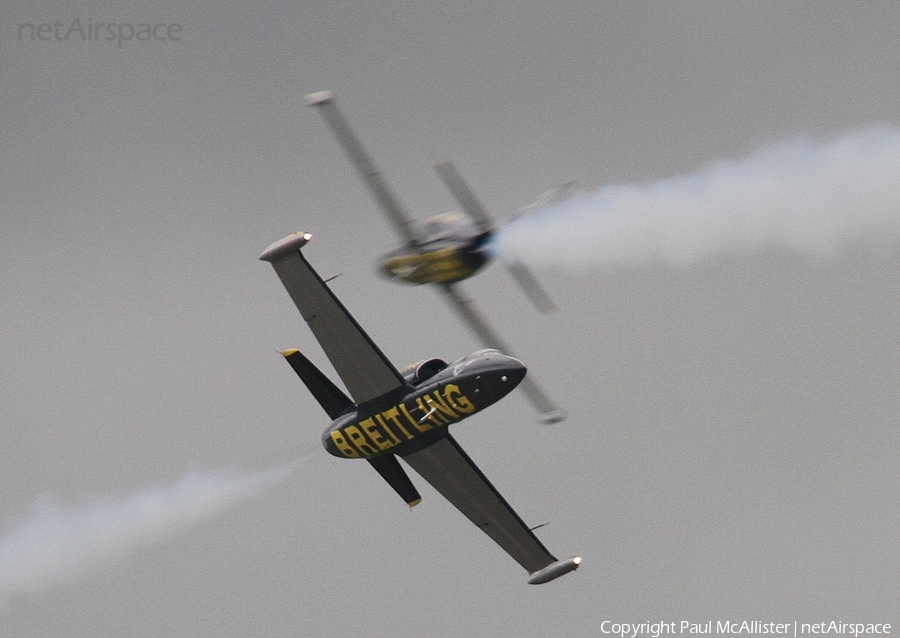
814, 197
58, 544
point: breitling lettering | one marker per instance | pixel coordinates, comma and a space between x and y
402, 422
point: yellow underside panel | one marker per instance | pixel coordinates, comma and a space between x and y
438, 266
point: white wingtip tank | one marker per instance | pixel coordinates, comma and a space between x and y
557, 569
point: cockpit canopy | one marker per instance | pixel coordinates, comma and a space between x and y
423, 370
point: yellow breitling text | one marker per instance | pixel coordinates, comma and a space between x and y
402, 422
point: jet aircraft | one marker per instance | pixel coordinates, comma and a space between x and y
445, 249
390, 414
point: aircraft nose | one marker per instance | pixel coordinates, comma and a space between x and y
491, 373
514, 372
507, 373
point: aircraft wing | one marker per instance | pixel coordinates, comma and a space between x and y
365, 370
466, 309
364, 165
532, 288
464, 195
451, 472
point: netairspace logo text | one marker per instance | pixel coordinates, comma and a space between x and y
90, 31
746, 627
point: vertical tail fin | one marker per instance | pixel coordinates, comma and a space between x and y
335, 402
330, 397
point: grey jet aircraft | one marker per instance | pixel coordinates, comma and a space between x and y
390, 414
447, 248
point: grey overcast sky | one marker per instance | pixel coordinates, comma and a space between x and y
731, 450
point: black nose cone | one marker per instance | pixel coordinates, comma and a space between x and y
502, 375
515, 373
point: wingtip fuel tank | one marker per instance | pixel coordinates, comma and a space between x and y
289, 244
319, 97
555, 570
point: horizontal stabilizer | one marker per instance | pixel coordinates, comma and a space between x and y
551, 196
392, 472
330, 397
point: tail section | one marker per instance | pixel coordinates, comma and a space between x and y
335, 402
330, 397
392, 472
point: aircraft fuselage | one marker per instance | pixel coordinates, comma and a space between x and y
452, 249
413, 417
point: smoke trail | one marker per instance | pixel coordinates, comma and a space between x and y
814, 197
58, 544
